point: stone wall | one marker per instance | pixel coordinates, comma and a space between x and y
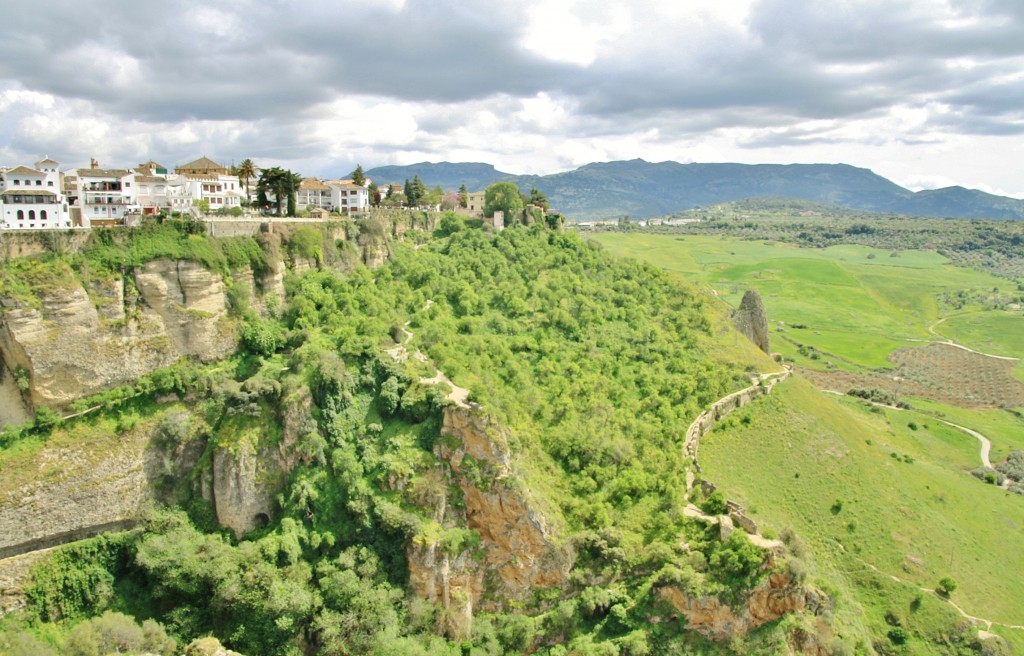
706, 420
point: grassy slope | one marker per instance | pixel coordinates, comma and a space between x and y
887, 302
919, 521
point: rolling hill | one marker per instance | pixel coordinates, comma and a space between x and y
641, 189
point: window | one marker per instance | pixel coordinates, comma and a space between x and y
49, 183
17, 182
31, 215
39, 183
42, 215
21, 215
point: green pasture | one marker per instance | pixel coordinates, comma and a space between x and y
1004, 429
858, 303
998, 332
864, 489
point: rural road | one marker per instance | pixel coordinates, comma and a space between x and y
986, 444
946, 340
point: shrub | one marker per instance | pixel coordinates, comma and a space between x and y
262, 337
946, 587
898, 635
715, 504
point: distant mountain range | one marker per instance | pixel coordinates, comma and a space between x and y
641, 189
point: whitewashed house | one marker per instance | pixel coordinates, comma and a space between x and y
102, 196
33, 198
314, 194
348, 197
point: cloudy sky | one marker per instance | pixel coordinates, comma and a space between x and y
926, 92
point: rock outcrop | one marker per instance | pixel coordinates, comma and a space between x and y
774, 597
751, 319
84, 339
517, 553
245, 482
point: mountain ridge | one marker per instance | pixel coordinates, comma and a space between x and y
642, 189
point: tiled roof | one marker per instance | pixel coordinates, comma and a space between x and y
28, 192
24, 170
102, 173
312, 183
46, 161
201, 164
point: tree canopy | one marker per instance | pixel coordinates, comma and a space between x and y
503, 197
283, 184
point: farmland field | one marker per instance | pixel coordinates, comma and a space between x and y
852, 308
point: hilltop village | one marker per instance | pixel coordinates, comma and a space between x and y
42, 197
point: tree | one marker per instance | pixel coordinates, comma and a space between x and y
463, 196
538, 198
283, 184
246, 171
358, 177
415, 192
503, 197
947, 586
374, 193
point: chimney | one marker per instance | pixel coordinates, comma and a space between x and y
93, 164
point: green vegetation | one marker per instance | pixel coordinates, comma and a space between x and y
917, 522
594, 365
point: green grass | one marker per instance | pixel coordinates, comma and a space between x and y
1005, 430
856, 308
917, 516
997, 332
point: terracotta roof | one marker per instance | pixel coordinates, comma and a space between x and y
150, 178
48, 161
102, 173
312, 183
151, 165
201, 164
24, 170
29, 192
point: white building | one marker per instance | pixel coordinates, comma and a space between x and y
348, 197
314, 194
102, 196
221, 191
32, 198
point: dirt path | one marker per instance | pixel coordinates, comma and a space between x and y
986, 444
459, 395
946, 340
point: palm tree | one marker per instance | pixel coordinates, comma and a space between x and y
246, 171
283, 184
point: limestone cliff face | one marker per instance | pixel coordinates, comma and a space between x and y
81, 341
776, 596
518, 553
751, 319
244, 484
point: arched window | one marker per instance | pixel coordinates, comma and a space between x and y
42, 214
21, 215
31, 215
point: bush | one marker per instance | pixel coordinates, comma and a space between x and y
946, 587
262, 337
715, 504
898, 635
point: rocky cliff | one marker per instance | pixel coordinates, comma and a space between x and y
518, 552
776, 596
93, 336
751, 319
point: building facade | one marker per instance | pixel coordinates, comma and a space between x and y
32, 198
